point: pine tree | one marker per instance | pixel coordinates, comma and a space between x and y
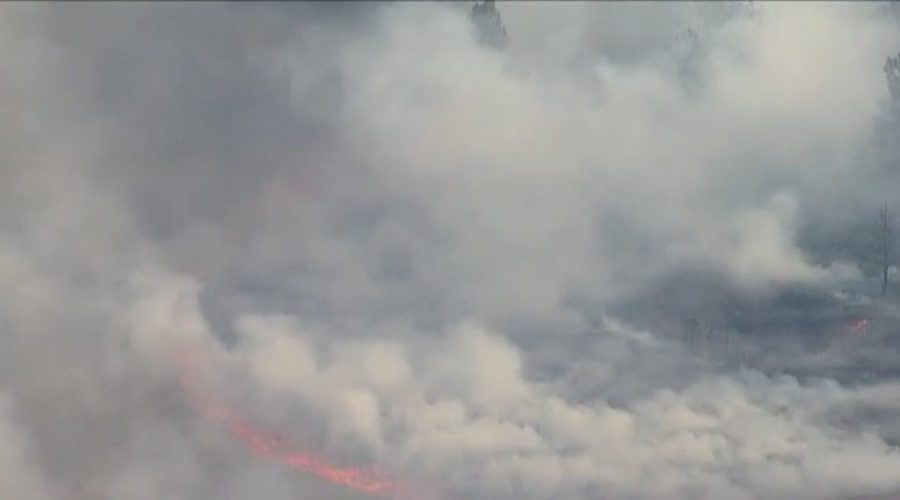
490, 27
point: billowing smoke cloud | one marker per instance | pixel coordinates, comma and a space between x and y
617, 256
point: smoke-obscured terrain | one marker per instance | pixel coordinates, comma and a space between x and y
529, 251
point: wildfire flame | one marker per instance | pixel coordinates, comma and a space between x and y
858, 327
266, 444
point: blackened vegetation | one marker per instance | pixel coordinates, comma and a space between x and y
815, 330
789, 330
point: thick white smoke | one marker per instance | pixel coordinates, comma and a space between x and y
410, 249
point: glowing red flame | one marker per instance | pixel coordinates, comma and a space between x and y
858, 327
266, 444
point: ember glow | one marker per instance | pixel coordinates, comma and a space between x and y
859, 326
269, 445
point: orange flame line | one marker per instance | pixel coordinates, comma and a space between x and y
266, 444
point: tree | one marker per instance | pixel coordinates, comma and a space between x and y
489, 25
697, 335
892, 74
888, 118
885, 240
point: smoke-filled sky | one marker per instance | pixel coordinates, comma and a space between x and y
403, 248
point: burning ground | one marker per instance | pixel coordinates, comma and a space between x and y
358, 250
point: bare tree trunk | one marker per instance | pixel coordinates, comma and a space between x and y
885, 235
